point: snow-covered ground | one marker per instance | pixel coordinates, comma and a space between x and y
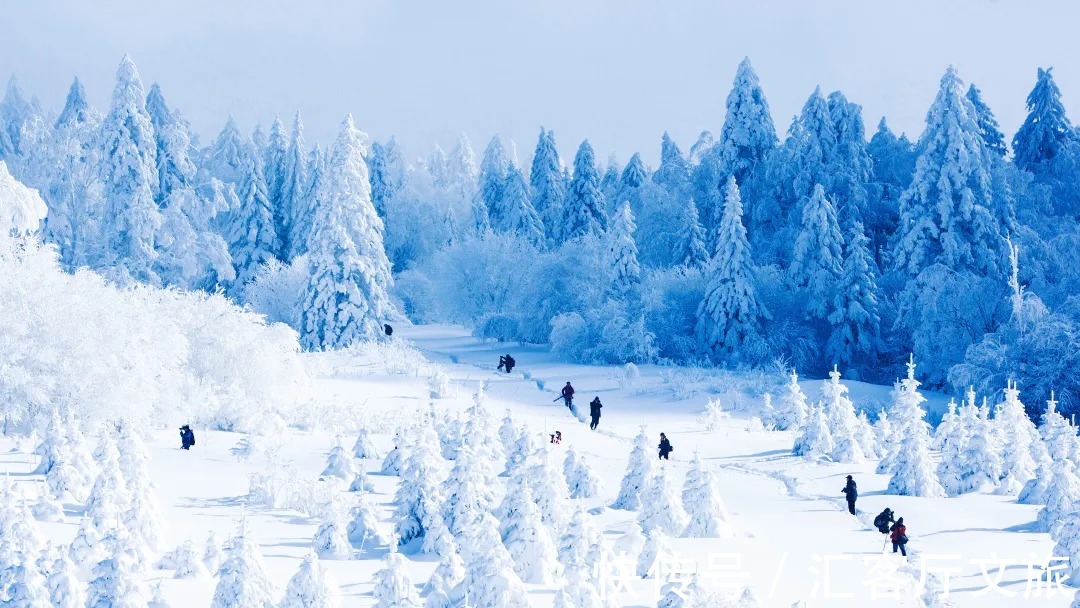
793, 538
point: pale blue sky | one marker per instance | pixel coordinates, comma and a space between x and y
617, 72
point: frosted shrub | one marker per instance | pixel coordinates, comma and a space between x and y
714, 415
628, 376
276, 290
438, 383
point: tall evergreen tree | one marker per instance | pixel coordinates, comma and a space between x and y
227, 155
851, 163
673, 174
690, 251
492, 182
294, 178
274, 160
130, 173
346, 298
546, 183
945, 214
251, 236
730, 314
817, 259
300, 231
854, 314
992, 137
623, 255
748, 134
893, 164
387, 167
519, 217
1046, 132
584, 211
16, 112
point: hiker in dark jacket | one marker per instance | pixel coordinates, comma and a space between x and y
187, 437
389, 331
509, 363
852, 494
594, 411
882, 521
568, 396
665, 447
899, 537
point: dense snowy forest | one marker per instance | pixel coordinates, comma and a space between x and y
743, 249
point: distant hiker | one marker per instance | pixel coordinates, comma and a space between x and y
665, 447
594, 411
882, 521
506, 363
389, 330
852, 494
568, 396
187, 437
899, 537
556, 437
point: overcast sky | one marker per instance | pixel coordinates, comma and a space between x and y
619, 72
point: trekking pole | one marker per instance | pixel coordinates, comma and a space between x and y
885, 544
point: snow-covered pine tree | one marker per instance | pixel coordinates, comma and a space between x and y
546, 183
714, 415
311, 587
661, 505
529, 542
340, 464
854, 316
293, 183
274, 160
331, 540
729, 316
817, 260
707, 517
748, 134
311, 199
364, 447
623, 256
1058, 437
1062, 495
364, 529
346, 299
187, 563
792, 409
657, 547
951, 439
1066, 536
387, 167
673, 174
252, 238
993, 138
520, 218
1046, 133
1018, 435
467, 492
945, 214
117, 579
639, 470
490, 580
395, 458
213, 555
491, 183
690, 250
580, 478
980, 461
574, 545
393, 586
129, 174
65, 588
844, 428
421, 477
242, 580
584, 210
549, 490
913, 472
814, 441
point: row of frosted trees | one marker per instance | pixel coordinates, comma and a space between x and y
823, 247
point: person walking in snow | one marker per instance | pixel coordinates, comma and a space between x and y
899, 537
594, 411
882, 521
852, 494
665, 447
509, 363
568, 396
187, 437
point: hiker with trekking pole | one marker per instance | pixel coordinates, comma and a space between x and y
567, 395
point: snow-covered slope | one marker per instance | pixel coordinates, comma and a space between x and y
792, 538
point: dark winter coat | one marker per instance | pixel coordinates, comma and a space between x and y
665, 447
899, 534
568, 392
187, 437
851, 491
510, 363
882, 521
594, 408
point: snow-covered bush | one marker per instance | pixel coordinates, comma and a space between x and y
393, 587
707, 516
714, 415
242, 580
311, 587
639, 470
276, 289
661, 506
438, 383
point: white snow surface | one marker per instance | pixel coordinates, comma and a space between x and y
792, 533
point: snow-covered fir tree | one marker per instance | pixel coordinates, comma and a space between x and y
748, 134
130, 174
690, 249
729, 317
580, 478
187, 563
945, 215
576, 542
213, 555
814, 440
346, 299
387, 170
657, 548
394, 461
844, 427
854, 313
292, 183
242, 580
331, 540
817, 258
1062, 495
1046, 133
661, 505
301, 237
419, 488
529, 542
792, 409
274, 161
491, 183
623, 255
714, 416
393, 586
364, 447
584, 209
546, 183
913, 471
490, 580
117, 579
1018, 435
549, 489
639, 470
519, 216
65, 588
340, 464
707, 517
467, 492
311, 587
993, 138
252, 238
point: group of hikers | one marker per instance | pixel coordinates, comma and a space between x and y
897, 531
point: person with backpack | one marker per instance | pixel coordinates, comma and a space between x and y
389, 331
187, 437
899, 537
882, 521
665, 447
594, 411
556, 437
509, 363
567, 395
502, 363
852, 494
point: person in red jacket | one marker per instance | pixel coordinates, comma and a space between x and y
899, 537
